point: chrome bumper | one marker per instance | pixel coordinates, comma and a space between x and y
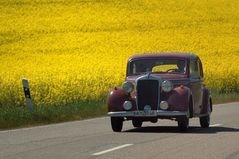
153, 113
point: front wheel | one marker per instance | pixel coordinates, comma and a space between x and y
183, 124
205, 121
116, 124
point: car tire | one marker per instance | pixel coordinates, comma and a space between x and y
205, 121
183, 124
116, 124
137, 123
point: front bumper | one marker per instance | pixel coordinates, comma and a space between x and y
152, 113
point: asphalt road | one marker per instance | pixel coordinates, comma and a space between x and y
94, 139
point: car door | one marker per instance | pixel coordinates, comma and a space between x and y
196, 84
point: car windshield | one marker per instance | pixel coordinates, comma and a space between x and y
143, 66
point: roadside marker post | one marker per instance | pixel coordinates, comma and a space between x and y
26, 89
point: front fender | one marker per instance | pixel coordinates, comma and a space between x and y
116, 99
178, 99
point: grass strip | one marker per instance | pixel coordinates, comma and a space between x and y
17, 117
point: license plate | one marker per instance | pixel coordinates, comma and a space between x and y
145, 113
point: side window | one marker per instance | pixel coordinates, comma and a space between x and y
194, 69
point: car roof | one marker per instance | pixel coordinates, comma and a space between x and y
163, 54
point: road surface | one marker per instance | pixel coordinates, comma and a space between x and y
90, 139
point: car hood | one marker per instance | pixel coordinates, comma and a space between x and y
176, 79
162, 76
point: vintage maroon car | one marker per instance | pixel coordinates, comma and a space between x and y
161, 86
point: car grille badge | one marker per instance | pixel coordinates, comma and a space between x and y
147, 108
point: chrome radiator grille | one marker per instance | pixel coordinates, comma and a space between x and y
147, 94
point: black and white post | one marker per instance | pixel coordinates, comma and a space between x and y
27, 93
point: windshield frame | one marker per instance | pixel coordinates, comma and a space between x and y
128, 73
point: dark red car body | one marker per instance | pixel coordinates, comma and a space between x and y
188, 98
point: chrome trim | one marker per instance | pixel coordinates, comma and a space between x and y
148, 77
157, 113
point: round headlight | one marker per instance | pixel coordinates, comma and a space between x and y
167, 86
128, 86
164, 105
127, 105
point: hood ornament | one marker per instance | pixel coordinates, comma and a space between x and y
148, 74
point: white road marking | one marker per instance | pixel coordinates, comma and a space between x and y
112, 149
215, 125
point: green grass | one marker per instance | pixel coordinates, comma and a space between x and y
16, 117
224, 98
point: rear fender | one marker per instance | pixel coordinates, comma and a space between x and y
206, 102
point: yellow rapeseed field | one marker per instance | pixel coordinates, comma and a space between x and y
76, 50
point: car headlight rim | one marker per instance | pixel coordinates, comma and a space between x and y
128, 86
167, 86
127, 105
164, 105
